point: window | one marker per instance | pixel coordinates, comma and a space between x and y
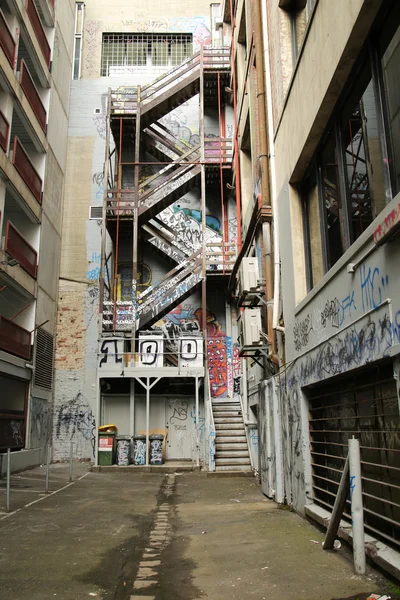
13, 401
357, 166
122, 53
79, 14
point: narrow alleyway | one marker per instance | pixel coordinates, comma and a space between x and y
125, 536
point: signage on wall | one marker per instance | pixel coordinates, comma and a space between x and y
151, 349
191, 351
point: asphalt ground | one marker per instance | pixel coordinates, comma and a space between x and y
145, 536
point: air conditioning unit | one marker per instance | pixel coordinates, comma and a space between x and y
151, 349
191, 351
249, 276
96, 213
250, 327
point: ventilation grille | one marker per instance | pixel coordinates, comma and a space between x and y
44, 359
96, 212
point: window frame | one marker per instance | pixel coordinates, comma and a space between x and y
371, 54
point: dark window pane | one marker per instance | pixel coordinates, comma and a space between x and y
332, 200
363, 156
391, 79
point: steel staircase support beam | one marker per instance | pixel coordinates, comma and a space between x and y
203, 202
135, 225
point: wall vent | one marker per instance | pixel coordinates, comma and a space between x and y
96, 212
44, 359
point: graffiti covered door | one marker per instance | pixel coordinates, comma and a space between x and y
180, 428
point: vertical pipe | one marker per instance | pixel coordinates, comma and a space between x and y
47, 468
71, 455
135, 232
104, 218
203, 199
8, 480
147, 419
357, 512
235, 135
196, 383
221, 178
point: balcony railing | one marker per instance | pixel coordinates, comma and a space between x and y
29, 87
17, 247
38, 29
25, 168
7, 41
14, 339
4, 131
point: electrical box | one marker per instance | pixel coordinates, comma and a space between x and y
250, 327
249, 276
151, 349
191, 351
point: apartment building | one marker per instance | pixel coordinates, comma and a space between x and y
320, 154
36, 41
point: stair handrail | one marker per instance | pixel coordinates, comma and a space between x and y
195, 150
186, 265
209, 421
181, 65
175, 177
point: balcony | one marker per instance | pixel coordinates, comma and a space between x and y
25, 168
7, 41
39, 31
17, 247
14, 339
4, 131
28, 85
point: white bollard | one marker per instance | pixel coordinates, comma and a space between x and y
357, 512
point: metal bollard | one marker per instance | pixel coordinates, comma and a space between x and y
8, 480
47, 467
357, 512
70, 462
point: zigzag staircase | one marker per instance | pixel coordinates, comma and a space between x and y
144, 107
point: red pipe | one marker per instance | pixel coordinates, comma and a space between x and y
117, 232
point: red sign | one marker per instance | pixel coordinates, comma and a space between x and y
106, 443
387, 227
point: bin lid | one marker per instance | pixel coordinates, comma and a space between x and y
123, 438
108, 428
156, 436
139, 436
107, 433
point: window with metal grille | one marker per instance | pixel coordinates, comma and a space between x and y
44, 359
124, 53
365, 406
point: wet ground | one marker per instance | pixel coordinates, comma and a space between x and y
125, 536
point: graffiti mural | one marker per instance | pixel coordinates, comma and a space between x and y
75, 418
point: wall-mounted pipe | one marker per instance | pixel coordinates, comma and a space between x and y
271, 143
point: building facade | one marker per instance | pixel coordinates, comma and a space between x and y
150, 236
323, 160
36, 40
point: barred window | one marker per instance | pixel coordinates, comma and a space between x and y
122, 53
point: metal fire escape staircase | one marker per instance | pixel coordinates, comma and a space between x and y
135, 115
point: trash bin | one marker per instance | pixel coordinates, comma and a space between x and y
139, 449
156, 444
106, 447
123, 447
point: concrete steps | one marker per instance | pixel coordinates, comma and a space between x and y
231, 449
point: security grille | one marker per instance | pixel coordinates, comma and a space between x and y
367, 408
125, 53
44, 359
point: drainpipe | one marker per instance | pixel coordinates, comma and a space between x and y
274, 201
264, 173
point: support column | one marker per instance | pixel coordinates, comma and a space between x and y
203, 202
196, 382
132, 408
147, 419
135, 227
97, 421
357, 512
